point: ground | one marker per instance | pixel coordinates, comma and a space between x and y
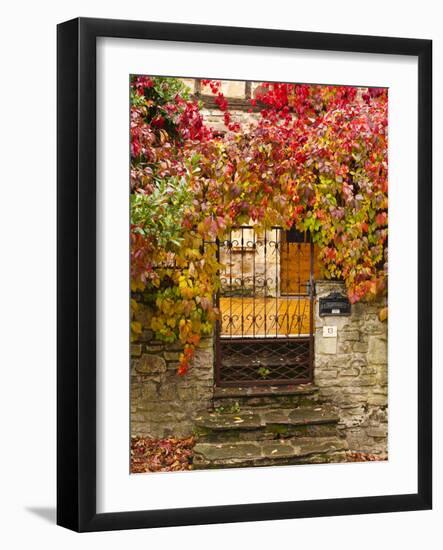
174, 454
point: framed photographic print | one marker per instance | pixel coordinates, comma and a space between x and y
233, 343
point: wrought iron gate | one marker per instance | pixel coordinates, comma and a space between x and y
265, 329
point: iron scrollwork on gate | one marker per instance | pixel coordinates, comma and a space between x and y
265, 328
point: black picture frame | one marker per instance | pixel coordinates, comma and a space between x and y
76, 278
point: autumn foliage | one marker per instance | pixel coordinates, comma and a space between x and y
316, 159
161, 455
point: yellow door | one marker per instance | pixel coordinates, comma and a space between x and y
295, 266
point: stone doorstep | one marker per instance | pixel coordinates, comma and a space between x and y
254, 453
255, 419
248, 397
265, 391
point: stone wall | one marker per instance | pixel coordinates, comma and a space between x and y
237, 92
214, 118
162, 402
351, 371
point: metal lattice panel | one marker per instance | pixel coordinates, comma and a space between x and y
265, 361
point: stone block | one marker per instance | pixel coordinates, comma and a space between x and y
171, 355
351, 336
379, 400
149, 391
368, 370
154, 348
367, 380
361, 347
136, 350
353, 390
206, 343
326, 346
373, 325
203, 374
322, 382
380, 431
138, 417
345, 347
151, 364
188, 393
382, 376
377, 351
327, 374
168, 392
204, 357
351, 372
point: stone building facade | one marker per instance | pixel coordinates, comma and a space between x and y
350, 360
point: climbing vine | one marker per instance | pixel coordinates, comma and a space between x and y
315, 158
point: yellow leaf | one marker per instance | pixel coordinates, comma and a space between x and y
383, 314
136, 327
137, 285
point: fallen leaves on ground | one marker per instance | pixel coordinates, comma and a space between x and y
365, 457
161, 455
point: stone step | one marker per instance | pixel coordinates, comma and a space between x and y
266, 424
230, 398
302, 450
